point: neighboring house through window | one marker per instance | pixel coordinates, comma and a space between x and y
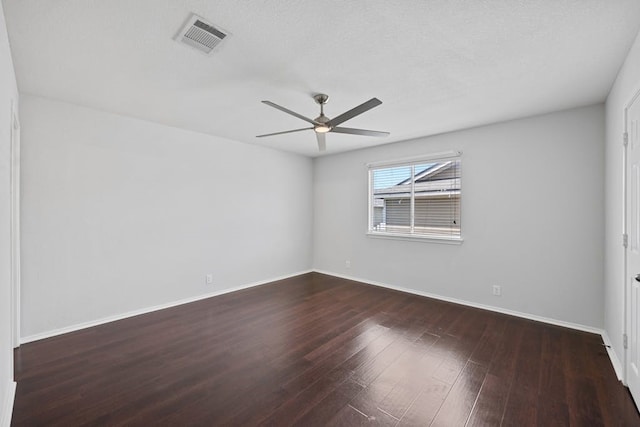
418, 198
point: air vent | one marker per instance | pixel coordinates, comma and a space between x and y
201, 35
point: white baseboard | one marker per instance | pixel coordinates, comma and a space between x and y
613, 356
615, 361
556, 322
79, 326
7, 405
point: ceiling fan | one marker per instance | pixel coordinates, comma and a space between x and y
323, 124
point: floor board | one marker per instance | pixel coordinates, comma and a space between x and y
320, 350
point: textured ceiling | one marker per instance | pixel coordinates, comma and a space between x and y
436, 65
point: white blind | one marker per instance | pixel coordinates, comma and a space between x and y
419, 199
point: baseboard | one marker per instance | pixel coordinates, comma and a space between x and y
79, 326
7, 405
615, 361
528, 316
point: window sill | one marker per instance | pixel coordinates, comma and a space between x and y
416, 238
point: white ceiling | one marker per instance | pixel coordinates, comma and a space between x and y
437, 65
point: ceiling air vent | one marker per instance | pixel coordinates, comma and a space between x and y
200, 35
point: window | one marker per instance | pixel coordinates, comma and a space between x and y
418, 198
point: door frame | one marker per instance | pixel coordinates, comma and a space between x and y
626, 312
14, 215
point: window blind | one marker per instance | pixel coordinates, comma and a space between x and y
418, 199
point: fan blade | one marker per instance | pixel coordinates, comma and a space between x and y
286, 131
364, 132
364, 107
322, 143
286, 110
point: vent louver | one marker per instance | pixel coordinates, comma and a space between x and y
201, 35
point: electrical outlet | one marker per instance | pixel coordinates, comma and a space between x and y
347, 263
497, 290
209, 279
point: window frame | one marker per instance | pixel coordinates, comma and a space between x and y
403, 162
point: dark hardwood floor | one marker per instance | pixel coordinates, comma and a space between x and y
319, 350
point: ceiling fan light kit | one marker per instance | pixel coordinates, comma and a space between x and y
323, 124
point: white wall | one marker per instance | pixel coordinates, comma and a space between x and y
532, 218
625, 86
120, 214
8, 93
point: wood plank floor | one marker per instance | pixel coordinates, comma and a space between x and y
319, 350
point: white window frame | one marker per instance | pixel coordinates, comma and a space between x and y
371, 167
